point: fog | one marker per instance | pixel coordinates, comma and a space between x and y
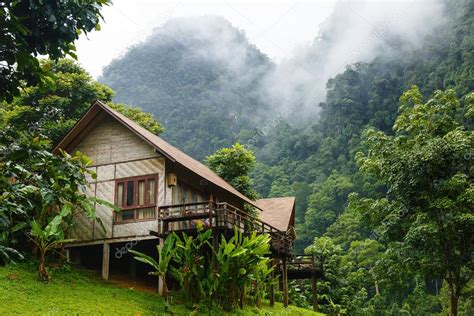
357, 31
204, 47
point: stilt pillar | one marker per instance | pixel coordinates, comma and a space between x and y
271, 293
285, 283
105, 261
160, 281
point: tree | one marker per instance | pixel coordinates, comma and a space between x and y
35, 27
327, 203
42, 193
363, 255
53, 110
347, 228
46, 239
427, 166
234, 165
332, 287
145, 119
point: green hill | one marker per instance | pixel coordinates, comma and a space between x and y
80, 292
199, 76
311, 154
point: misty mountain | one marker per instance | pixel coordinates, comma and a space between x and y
199, 76
304, 159
210, 87
356, 31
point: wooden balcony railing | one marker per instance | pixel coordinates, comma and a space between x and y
304, 263
183, 217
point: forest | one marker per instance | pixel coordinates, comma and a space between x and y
331, 161
379, 158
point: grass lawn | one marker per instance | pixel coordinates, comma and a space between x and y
78, 292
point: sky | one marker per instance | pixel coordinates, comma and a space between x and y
276, 27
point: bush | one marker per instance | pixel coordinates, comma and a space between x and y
221, 274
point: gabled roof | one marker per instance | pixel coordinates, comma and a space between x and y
277, 212
175, 155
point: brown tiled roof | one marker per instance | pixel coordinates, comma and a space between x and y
277, 212
157, 142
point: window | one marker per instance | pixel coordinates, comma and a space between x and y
183, 194
136, 198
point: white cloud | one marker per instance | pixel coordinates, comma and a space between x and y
276, 27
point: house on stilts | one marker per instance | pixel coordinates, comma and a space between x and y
158, 189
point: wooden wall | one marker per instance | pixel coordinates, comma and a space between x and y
117, 153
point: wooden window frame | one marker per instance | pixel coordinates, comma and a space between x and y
135, 207
190, 190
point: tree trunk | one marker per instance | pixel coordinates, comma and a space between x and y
165, 288
42, 272
453, 297
377, 290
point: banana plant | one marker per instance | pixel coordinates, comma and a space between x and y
48, 238
41, 194
7, 254
236, 263
190, 258
165, 254
261, 279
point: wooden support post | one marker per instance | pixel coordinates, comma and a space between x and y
210, 212
315, 292
272, 286
105, 261
285, 283
160, 282
215, 239
68, 255
226, 219
280, 278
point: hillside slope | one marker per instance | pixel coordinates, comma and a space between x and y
79, 292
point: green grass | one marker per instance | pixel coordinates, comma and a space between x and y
78, 292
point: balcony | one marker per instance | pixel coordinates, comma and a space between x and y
221, 217
304, 266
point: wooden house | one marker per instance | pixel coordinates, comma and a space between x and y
158, 189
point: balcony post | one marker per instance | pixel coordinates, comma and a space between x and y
226, 220
210, 212
158, 219
285, 282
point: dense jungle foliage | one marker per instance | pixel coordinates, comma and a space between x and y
313, 161
222, 272
382, 172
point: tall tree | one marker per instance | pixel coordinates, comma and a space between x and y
234, 165
327, 203
42, 193
428, 168
53, 110
35, 27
